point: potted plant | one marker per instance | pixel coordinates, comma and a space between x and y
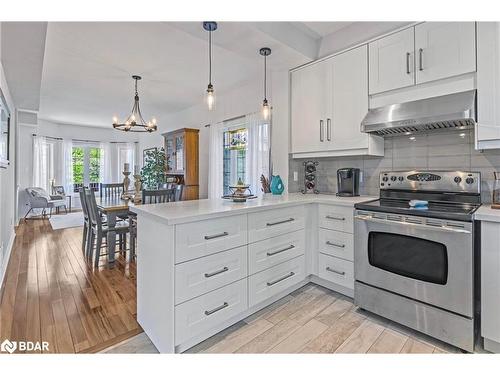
154, 170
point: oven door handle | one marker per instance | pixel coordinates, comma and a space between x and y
419, 226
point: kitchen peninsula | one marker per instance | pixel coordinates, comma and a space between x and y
206, 264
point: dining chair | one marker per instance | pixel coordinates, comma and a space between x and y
158, 196
178, 192
111, 190
100, 230
86, 223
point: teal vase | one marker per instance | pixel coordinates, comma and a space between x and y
277, 186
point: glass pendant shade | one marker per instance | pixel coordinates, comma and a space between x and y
210, 98
266, 111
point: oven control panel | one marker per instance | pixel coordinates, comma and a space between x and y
444, 181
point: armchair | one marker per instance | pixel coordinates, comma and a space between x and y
39, 198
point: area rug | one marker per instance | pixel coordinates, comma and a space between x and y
62, 221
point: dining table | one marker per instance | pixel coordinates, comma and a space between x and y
114, 207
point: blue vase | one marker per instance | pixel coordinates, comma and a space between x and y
277, 186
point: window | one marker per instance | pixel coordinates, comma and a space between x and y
235, 152
86, 166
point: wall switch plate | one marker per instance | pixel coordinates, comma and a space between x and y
295, 175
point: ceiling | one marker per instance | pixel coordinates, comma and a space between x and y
83, 69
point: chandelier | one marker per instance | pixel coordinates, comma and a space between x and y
135, 122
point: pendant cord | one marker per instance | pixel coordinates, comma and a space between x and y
265, 77
210, 57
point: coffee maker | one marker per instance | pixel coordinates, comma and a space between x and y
348, 182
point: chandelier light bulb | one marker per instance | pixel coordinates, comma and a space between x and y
115, 120
153, 121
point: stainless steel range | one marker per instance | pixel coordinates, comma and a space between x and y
415, 265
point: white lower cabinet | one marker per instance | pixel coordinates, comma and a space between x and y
336, 270
270, 252
265, 284
202, 275
338, 218
335, 243
203, 313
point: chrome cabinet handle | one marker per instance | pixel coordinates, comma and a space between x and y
328, 129
280, 222
223, 306
335, 244
271, 253
421, 59
321, 135
342, 273
334, 217
280, 279
216, 236
216, 272
408, 63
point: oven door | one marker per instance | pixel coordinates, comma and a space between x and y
428, 260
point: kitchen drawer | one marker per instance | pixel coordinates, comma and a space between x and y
274, 280
336, 218
201, 238
336, 270
335, 243
203, 275
272, 223
194, 317
270, 252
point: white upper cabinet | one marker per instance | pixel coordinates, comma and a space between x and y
310, 99
350, 101
488, 85
392, 62
329, 99
444, 49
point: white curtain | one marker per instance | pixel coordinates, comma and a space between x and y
257, 161
215, 165
67, 166
43, 171
107, 172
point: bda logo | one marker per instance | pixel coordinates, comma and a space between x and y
8, 346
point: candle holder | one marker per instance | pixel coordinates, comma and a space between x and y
126, 185
138, 188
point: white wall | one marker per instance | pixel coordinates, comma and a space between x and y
66, 131
239, 101
7, 183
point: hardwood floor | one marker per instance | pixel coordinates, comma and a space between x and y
51, 294
310, 320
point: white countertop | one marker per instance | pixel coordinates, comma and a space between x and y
186, 211
486, 213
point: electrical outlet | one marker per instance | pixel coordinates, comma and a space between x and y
295, 175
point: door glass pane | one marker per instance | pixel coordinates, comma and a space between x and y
169, 150
409, 256
179, 153
94, 164
78, 160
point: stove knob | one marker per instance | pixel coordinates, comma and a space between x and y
393, 178
385, 178
400, 178
457, 179
469, 180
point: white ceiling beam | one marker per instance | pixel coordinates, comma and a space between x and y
291, 36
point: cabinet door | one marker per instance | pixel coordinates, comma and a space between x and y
444, 49
392, 62
310, 91
350, 101
179, 152
170, 153
488, 81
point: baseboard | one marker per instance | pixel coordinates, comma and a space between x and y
5, 261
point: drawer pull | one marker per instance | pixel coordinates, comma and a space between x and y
271, 253
335, 244
335, 217
280, 279
216, 272
280, 222
216, 236
335, 271
223, 306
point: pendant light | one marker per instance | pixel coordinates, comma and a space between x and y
265, 51
135, 122
210, 94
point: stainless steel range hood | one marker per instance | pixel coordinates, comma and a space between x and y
441, 112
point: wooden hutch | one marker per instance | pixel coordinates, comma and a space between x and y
182, 152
